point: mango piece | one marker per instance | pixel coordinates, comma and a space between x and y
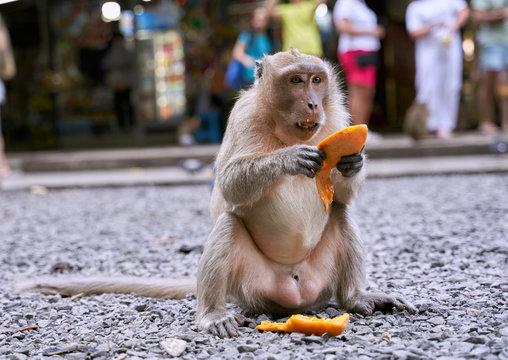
345, 142
308, 325
272, 326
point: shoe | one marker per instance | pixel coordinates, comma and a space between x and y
5, 172
488, 128
443, 133
187, 140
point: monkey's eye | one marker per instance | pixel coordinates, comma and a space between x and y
296, 79
316, 80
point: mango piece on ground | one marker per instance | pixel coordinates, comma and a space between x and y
308, 325
272, 326
345, 142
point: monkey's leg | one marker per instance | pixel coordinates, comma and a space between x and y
351, 275
218, 275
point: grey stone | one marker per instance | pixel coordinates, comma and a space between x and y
437, 320
407, 224
246, 348
18, 356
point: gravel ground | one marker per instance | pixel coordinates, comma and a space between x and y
439, 241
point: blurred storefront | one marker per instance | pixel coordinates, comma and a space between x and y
63, 96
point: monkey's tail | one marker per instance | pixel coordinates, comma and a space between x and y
74, 285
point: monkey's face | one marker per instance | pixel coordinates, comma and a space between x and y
302, 90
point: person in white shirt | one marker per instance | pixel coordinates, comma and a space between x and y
434, 25
359, 41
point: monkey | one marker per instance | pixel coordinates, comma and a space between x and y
415, 121
272, 248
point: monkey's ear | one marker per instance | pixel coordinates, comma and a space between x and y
259, 69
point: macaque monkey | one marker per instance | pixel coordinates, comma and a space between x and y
272, 248
415, 121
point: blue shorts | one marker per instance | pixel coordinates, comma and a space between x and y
494, 57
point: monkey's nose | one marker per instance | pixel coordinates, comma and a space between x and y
312, 106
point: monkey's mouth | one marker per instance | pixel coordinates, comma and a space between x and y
307, 125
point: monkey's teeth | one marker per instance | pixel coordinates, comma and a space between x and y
307, 125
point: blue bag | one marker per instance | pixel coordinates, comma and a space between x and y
233, 78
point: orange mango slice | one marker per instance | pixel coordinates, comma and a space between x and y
308, 325
345, 142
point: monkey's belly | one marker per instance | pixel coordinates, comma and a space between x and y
288, 224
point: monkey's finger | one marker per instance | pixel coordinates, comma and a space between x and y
313, 150
231, 328
224, 329
316, 156
350, 166
349, 170
245, 321
314, 166
398, 303
308, 173
349, 173
214, 329
351, 158
387, 302
309, 168
407, 306
365, 307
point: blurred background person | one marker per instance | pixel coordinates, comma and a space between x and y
492, 17
119, 66
434, 26
253, 44
359, 41
299, 28
7, 71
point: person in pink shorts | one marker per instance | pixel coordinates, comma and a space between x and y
359, 41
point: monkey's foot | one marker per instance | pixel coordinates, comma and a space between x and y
366, 304
224, 323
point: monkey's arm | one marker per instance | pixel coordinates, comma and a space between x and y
349, 178
246, 179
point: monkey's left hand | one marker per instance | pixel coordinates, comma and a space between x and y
350, 165
368, 303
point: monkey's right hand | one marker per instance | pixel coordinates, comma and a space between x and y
302, 159
224, 324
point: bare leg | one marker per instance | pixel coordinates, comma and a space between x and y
504, 113
5, 170
361, 99
486, 105
504, 100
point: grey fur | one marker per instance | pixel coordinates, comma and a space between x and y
253, 161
